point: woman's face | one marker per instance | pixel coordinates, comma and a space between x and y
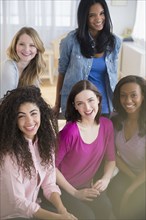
86, 103
25, 48
96, 19
29, 119
131, 97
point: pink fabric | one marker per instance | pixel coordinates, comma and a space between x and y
79, 161
131, 151
18, 193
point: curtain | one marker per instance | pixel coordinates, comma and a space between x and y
51, 18
139, 26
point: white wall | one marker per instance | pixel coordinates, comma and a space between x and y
122, 16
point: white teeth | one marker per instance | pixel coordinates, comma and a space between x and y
129, 106
30, 127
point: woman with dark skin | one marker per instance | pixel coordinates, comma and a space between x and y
27, 145
89, 53
127, 189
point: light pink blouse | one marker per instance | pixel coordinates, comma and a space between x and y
18, 193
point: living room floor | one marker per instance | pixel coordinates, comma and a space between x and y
48, 93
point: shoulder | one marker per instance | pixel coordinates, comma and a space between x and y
106, 122
68, 131
70, 38
9, 64
10, 162
118, 40
69, 127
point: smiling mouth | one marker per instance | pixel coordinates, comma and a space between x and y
30, 128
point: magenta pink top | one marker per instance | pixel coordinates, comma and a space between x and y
18, 193
79, 161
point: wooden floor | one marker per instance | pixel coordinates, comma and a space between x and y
48, 93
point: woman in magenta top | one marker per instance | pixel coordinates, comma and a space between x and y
86, 141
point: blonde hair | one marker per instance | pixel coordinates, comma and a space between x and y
36, 67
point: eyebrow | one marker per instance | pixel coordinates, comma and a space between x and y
87, 99
29, 112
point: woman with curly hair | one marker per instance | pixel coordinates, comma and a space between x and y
27, 145
127, 189
25, 61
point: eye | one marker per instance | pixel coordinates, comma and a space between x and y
134, 95
21, 44
92, 15
122, 95
20, 116
32, 45
91, 100
102, 13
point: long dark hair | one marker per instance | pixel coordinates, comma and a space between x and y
12, 140
71, 114
105, 41
121, 113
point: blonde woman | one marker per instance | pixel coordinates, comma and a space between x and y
25, 61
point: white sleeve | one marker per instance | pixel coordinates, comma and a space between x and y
9, 77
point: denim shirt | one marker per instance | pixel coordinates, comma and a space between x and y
75, 67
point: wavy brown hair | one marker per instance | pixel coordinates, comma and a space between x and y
12, 140
36, 67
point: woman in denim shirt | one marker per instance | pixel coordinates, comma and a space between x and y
90, 52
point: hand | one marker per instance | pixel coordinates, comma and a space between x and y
101, 185
65, 214
56, 110
87, 194
68, 216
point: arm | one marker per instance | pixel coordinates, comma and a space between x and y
84, 194
9, 77
102, 184
44, 214
123, 167
58, 95
62, 212
139, 180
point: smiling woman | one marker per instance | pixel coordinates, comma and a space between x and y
25, 61
82, 149
29, 119
27, 147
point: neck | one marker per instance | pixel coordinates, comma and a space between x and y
22, 64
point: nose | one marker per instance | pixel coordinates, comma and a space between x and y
28, 120
128, 99
86, 106
26, 47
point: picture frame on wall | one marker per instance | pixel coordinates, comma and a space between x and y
119, 2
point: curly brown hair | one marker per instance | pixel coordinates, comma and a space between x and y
12, 140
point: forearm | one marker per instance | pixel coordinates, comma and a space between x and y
56, 201
44, 214
64, 184
139, 180
58, 89
123, 167
108, 170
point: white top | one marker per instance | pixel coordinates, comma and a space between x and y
9, 76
